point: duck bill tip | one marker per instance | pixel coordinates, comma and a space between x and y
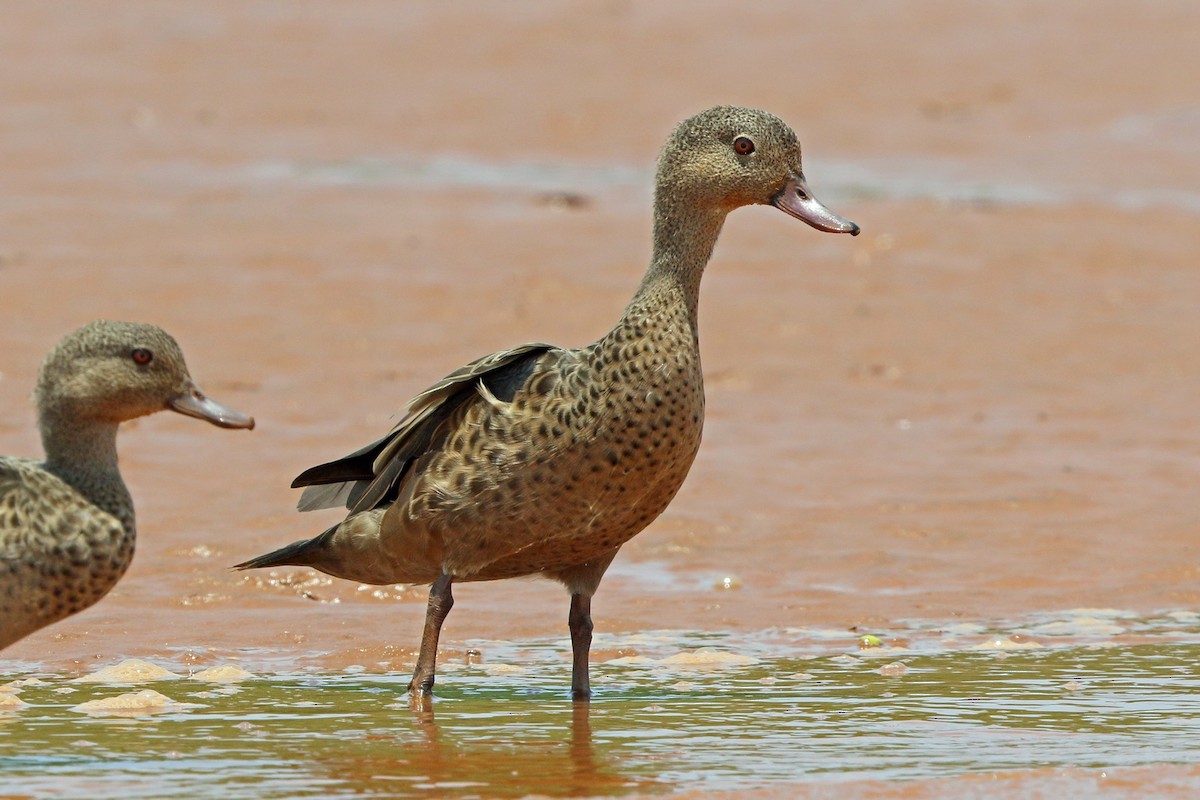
194, 403
796, 200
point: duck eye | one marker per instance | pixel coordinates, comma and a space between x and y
743, 146
141, 356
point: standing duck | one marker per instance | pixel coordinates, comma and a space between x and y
542, 460
67, 523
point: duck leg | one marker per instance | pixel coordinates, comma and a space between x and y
582, 581
580, 623
440, 603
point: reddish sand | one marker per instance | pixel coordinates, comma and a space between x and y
984, 406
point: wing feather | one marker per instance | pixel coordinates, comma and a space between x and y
369, 477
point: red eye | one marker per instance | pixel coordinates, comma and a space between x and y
743, 146
141, 356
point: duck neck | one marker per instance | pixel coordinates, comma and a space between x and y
83, 453
683, 243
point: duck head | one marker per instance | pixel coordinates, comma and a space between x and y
729, 157
117, 371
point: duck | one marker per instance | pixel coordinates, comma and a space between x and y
541, 460
67, 524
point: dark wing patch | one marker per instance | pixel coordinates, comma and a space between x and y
354, 467
503, 382
370, 476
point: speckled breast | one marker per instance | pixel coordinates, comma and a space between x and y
64, 552
600, 457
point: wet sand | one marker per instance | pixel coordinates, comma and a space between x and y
981, 408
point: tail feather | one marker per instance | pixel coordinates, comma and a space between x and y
355, 467
329, 496
296, 554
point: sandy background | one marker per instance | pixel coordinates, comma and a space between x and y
983, 407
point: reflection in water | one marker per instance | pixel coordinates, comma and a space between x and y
583, 763
590, 774
556, 758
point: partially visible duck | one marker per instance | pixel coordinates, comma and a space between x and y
544, 460
67, 523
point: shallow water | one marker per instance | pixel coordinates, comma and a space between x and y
686, 713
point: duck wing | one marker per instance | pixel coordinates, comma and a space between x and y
368, 478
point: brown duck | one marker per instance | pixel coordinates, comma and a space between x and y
545, 460
67, 523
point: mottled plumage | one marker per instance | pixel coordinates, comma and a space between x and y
67, 524
543, 460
